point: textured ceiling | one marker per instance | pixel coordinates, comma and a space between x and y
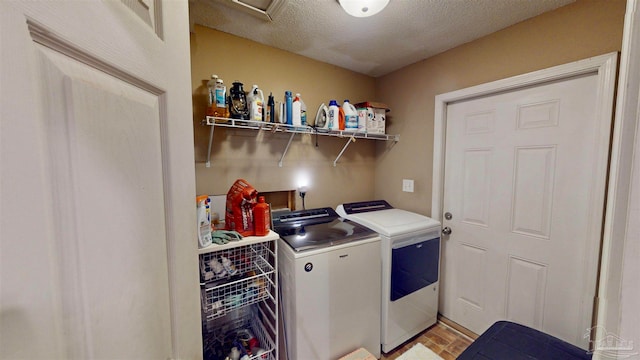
405, 32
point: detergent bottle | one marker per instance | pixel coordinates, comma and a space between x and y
334, 115
256, 104
350, 116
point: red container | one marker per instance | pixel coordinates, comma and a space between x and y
261, 217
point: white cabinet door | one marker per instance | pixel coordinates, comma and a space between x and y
524, 183
98, 250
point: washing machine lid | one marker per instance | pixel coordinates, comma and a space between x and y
382, 218
318, 228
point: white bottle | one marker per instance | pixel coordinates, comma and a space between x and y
256, 103
350, 117
204, 221
303, 110
334, 115
211, 98
296, 119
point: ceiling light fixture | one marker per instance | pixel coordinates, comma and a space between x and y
363, 8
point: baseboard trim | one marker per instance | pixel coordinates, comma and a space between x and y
457, 327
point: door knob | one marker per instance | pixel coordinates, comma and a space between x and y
446, 230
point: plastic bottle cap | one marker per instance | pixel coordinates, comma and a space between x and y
214, 76
261, 199
219, 81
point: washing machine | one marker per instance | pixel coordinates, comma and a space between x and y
410, 249
330, 286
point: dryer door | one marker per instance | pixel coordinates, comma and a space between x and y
414, 265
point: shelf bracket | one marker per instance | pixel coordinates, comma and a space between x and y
351, 139
208, 163
286, 149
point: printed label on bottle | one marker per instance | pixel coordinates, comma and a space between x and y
332, 116
220, 98
351, 122
303, 117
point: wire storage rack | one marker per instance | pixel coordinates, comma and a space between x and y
246, 330
239, 297
242, 276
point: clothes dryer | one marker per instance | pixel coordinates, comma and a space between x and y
410, 249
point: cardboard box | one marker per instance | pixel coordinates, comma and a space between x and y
373, 115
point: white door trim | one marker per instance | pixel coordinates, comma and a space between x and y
616, 302
603, 66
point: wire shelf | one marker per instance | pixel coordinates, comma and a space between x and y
305, 129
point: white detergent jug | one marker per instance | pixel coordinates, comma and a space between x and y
350, 116
256, 104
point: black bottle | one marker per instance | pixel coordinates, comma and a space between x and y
271, 109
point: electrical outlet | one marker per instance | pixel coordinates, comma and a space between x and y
407, 185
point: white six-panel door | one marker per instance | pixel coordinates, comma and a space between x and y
98, 247
524, 183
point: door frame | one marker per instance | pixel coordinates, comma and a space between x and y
617, 302
604, 67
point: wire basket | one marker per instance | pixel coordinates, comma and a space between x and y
236, 277
240, 329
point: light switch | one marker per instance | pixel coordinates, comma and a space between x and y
407, 185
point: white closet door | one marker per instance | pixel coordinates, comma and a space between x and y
98, 249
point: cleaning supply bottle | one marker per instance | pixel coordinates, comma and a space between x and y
350, 116
288, 107
211, 95
221, 100
256, 104
295, 112
204, 221
271, 110
261, 217
303, 110
334, 114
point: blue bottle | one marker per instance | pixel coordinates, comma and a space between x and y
288, 101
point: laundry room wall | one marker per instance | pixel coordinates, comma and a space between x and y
254, 155
577, 31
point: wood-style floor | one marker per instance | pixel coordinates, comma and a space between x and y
440, 338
